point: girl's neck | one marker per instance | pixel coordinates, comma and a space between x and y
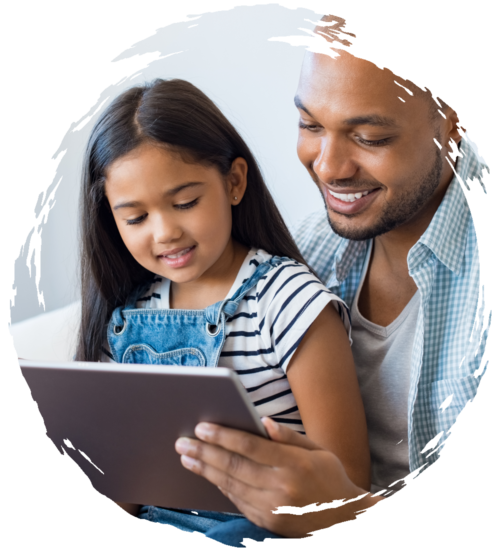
213, 285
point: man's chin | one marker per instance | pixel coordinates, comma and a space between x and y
351, 234
356, 233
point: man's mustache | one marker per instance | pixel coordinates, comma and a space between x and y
350, 183
341, 184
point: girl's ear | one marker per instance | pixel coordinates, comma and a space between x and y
237, 181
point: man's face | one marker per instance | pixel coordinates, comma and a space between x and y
372, 155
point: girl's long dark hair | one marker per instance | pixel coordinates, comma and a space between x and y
176, 114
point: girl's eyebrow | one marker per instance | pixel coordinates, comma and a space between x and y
169, 193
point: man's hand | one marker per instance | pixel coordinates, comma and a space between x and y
259, 475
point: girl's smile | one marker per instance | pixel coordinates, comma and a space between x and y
177, 258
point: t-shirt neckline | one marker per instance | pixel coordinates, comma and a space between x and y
380, 330
245, 271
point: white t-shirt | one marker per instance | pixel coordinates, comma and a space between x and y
382, 356
266, 329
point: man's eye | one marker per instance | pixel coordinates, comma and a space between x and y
374, 143
136, 220
184, 206
311, 127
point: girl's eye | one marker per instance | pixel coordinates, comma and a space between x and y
184, 206
136, 220
374, 143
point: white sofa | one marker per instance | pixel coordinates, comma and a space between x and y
48, 336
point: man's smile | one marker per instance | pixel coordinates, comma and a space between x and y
350, 201
348, 197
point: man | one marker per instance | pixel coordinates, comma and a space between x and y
403, 255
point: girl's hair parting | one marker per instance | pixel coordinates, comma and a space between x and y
177, 115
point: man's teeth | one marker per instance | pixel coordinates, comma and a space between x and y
180, 253
348, 197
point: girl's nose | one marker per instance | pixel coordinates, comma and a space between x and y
166, 229
333, 160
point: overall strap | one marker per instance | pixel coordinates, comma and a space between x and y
229, 306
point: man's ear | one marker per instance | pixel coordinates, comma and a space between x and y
237, 181
452, 126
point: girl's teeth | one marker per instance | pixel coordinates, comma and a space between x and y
349, 197
177, 255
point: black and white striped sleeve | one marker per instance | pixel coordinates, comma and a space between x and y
290, 299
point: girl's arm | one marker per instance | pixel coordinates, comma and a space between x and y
323, 380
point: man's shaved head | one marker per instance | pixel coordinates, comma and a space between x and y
334, 32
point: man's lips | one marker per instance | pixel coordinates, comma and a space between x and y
349, 191
350, 201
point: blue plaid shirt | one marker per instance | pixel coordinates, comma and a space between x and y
450, 335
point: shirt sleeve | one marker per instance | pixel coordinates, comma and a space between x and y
291, 298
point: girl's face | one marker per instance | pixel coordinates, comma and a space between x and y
174, 217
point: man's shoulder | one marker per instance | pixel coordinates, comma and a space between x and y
317, 241
314, 222
314, 232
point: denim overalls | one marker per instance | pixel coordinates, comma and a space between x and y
191, 338
176, 337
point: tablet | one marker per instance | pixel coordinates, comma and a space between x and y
119, 423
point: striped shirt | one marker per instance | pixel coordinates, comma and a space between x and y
266, 329
452, 326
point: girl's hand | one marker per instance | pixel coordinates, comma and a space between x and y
259, 475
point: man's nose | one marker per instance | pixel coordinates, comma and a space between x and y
334, 161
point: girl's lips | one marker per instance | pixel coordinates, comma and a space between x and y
343, 207
177, 258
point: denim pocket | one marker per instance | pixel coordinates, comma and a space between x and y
144, 354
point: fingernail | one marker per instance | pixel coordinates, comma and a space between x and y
189, 462
183, 445
269, 421
203, 430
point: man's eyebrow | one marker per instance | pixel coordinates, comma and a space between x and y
168, 193
300, 105
371, 120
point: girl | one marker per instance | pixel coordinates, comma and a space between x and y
187, 261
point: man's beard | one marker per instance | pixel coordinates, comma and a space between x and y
392, 216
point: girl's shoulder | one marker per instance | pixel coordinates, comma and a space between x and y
284, 271
288, 286
285, 302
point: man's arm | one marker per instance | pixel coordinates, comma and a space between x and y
259, 475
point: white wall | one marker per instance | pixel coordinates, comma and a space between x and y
68, 62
